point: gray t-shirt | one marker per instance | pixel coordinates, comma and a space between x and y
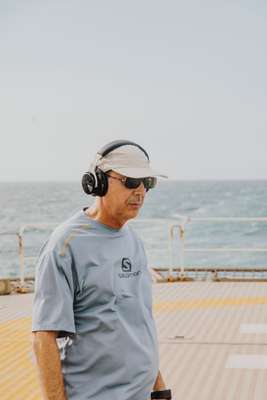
94, 287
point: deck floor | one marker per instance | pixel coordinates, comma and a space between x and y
212, 336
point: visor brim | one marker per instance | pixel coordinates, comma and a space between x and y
139, 172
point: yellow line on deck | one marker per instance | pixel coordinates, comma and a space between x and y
204, 303
18, 376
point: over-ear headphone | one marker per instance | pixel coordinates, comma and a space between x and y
95, 182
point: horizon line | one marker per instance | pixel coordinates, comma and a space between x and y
159, 180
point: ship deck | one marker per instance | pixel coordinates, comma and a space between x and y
212, 337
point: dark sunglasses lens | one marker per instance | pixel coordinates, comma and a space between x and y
133, 183
150, 182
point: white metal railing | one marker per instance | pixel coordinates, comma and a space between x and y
183, 249
181, 228
22, 230
20, 236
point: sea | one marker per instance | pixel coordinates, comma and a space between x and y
170, 205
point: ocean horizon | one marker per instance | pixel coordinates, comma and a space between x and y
32, 202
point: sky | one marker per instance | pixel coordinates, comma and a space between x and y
184, 79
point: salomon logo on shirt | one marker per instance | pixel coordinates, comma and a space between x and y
126, 267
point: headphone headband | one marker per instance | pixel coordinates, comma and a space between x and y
108, 148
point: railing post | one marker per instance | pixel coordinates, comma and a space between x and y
171, 234
21, 259
182, 250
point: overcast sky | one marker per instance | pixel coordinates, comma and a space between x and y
185, 79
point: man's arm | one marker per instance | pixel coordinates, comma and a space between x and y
49, 365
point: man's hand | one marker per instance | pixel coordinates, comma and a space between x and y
159, 383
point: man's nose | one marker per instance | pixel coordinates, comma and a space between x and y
140, 188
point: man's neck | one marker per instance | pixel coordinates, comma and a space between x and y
98, 215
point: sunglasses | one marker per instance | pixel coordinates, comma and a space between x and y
133, 183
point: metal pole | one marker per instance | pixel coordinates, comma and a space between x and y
170, 272
182, 250
21, 259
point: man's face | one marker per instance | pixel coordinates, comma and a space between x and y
120, 202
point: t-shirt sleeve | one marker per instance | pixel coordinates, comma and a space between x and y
54, 294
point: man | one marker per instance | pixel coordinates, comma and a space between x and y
94, 335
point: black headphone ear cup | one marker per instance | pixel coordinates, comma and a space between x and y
102, 183
89, 183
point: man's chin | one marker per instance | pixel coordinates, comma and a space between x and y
133, 212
